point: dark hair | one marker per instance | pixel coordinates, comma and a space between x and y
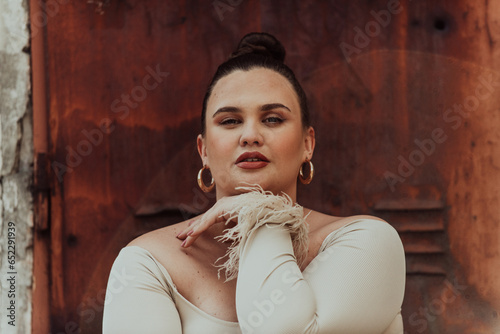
258, 50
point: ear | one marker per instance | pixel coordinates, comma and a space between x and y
202, 149
309, 143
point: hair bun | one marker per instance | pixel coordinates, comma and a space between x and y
260, 43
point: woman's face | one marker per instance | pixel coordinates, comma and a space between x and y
254, 133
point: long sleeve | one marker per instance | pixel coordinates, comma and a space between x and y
354, 285
138, 297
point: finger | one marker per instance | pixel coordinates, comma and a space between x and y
195, 231
191, 225
189, 241
182, 235
201, 226
214, 215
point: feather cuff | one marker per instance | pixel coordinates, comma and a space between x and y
254, 209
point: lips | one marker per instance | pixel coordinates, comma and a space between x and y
252, 160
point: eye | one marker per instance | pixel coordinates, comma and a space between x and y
229, 121
273, 120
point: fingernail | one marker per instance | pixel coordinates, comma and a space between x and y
183, 243
190, 232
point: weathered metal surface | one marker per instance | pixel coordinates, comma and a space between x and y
125, 95
41, 239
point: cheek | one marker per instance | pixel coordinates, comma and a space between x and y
219, 147
291, 146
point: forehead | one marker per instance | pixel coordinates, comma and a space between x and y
252, 88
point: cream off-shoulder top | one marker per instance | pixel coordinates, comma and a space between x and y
355, 284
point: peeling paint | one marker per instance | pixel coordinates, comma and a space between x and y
16, 160
13, 25
1, 143
10, 200
14, 95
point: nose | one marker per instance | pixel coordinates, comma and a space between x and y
251, 134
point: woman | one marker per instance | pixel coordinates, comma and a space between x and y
287, 269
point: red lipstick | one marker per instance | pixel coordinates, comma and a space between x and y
252, 160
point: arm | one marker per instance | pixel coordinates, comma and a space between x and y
355, 285
138, 297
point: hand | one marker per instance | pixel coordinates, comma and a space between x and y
219, 213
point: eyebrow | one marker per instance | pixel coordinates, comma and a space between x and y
265, 107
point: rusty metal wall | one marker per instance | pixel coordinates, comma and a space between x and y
404, 97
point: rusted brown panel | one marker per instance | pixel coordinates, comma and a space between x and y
378, 111
416, 221
41, 241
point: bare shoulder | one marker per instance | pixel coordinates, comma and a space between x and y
323, 222
161, 241
321, 225
375, 226
349, 219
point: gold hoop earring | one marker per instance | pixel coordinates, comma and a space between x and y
200, 181
311, 172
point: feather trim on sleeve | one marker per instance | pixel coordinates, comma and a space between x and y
254, 209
